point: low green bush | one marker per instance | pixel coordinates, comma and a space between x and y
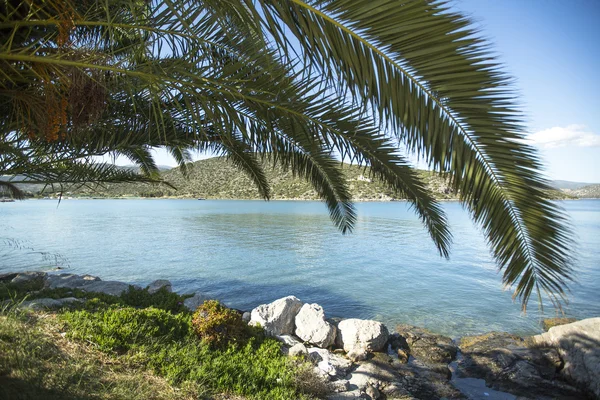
162, 299
120, 329
218, 325
257, 369
168, 344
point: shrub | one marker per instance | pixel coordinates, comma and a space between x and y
120, 329
167, 344
162, 299
256, 370
218, 325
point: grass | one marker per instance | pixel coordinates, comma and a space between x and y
36, 362
121, 348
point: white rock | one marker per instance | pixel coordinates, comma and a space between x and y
355, 394
328, 363
297, 350
288, 340
579, 346
341, 385
159, 284
192, 303
277, 318
362, 335
312, 327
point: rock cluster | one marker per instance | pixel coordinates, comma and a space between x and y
361, 359
351, 354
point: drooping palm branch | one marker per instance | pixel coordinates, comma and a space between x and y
362, 79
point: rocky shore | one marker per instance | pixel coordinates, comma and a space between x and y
365, 359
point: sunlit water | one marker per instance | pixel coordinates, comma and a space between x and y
250, 252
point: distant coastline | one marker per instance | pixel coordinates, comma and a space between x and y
218, 179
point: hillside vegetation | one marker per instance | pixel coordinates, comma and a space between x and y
586, 192
217, 178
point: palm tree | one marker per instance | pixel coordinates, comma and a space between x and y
300, 83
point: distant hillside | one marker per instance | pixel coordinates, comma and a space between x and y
216, 178
586, 192
569, 185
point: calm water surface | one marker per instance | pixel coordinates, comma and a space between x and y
250, 252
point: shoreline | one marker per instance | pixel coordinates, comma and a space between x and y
270, 200
358, 357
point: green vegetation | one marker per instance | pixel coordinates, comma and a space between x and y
133, 297
586, 192
36, 362
117, 347
120, 329
220, 326
218, 178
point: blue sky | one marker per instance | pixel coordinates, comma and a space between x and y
552, 48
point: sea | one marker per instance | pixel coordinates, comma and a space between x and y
247, 253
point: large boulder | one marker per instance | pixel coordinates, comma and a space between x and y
425, 345
312, 327
192, 303
508, 365
397, 380
158, 285
277, 318
45, 303
359, 335
23, 278
71, 281
288, 340
578, 344
113, 288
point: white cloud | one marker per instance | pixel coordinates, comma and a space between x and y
572, 135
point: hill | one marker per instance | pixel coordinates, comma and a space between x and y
586, 192
217, 178
568, 185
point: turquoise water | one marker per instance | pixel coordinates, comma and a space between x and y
250, 252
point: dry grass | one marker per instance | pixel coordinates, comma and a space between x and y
37, 362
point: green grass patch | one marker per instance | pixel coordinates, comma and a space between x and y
206, 353
168, 345
120, 329
36, 362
